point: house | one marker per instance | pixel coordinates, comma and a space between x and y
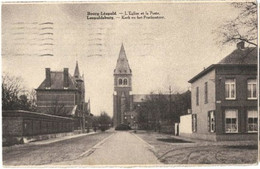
224, 98
61, 94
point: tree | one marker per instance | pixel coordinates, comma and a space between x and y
14, 95
158, 108
242, 28
11, 88
57, 107
105, 121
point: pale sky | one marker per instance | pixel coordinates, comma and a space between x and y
161, 52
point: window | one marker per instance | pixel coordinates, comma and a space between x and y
206, 92
211, 121
120, 81
251, 89
252, 121
194, 123
125, 81
197, 96
230, 89
231, 121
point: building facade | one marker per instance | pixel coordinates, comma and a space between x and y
60, 93
224, 98
122, 97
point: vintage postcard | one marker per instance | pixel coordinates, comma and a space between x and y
89, 84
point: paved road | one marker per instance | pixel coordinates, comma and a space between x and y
47, 152
108, 148
121, 148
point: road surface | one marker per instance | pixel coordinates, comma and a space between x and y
108, 148
121, 148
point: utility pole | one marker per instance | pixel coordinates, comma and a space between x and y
83, 118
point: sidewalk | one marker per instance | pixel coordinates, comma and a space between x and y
50, 140
42, 142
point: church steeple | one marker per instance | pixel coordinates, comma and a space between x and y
122, 97
76, 72
122, 66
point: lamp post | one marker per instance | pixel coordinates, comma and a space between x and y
83, 118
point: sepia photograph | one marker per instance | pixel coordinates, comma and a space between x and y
127, 84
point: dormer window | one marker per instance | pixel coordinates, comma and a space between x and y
48, 88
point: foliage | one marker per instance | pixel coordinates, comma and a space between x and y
243, 27
158, 108
104, 121
14, 96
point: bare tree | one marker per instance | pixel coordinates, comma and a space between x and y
57, 108
11, 88
242, 28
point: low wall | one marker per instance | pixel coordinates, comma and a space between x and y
222, 137
18, 123
186, 124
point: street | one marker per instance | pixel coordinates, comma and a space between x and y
108, 148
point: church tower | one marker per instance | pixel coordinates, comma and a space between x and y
122, 97
80, 85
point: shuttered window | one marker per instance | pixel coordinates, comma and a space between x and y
194, 123
211, 121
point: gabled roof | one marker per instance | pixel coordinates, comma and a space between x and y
139, 98
239, 57
57, 82
122, 66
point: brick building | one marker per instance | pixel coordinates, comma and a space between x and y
60, 93
224, 98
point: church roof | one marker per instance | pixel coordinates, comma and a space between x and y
122, 66
57, 82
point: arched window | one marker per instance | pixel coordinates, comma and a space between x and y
125, 81
120, 81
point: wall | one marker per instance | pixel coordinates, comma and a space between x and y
202, 109
48, 100
12, 126
25, 123
186, 124
241, 103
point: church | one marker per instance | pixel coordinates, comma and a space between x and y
122, 97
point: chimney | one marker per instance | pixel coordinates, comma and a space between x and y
241, 45
66, 77
48, 77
